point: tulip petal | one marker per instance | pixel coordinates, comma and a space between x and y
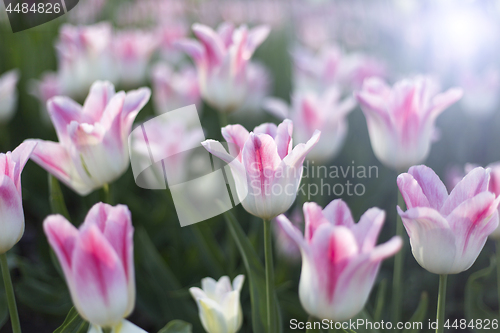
432, 187
283, 138
54, 158
333, 247
412, 192
115, 223
127, 327
236, 136
100, 284
214, 46
62, 111
256, 36
99, 96
299, 152
266, 128
441, 101
472, 184
338, 213
135, 100
212, 317
313, 215
231, 308
368, 228
62, 236
11, 214
292, 231
260, 159
20, 156
238, 282
472, 222
193, 48
430, 234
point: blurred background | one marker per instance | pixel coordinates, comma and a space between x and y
455, 41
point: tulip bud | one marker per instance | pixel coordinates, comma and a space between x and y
97, 261
265, 168
219, 304
340, 260
93, 147
11, 203
447, 232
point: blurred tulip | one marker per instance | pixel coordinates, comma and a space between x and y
174, 89
259, 85
11, 203
447, 232
132, 51
169, 32
219, 305
267, 172
339, 258
92, 149
171, 139
311, 111
222, 59
98, 262
401, 119
330, 66
8, 95
85, 55
481, 93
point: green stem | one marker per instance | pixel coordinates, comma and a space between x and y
441, 303
9, 292
498, 274
398, 267
106, 194
269, 276
222, 119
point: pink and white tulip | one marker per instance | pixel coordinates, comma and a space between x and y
174, 89
331, 67
8, 94
265, 168
311, 111
447, 232
11, 203
93, 147
84, 56
340, 259
222, 58
219, 304
98, 263
401, 119
132, 51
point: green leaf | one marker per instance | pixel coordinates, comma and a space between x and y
158, 289
73, 324
474, 292
380, 300
56, 198
177, 326
419, 315
256, 277
367, 318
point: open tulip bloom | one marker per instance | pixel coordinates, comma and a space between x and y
219, 304
265, 168
92, 150
98, 262
221, 59
311, 111
401, 119
447, 232
340, 259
